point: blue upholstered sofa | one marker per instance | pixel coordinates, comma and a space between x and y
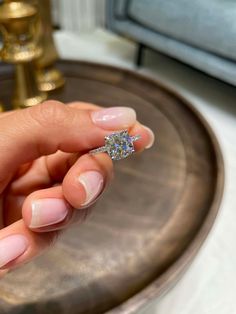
200, 33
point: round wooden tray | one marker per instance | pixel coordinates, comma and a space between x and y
150, 223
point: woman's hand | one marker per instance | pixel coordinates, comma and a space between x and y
46, 172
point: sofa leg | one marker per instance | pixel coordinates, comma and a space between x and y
139, 55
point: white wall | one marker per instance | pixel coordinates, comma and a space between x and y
80, 16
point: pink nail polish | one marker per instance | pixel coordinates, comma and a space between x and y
92, 182
114, 118
48, 211
12, 247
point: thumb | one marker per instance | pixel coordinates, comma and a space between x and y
43, 129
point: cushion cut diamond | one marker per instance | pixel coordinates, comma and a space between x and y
119, 145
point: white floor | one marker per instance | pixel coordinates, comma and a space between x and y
209, 286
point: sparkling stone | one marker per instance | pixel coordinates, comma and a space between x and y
119, 145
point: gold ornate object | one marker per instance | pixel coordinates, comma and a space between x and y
20, 47
49, 77
27, 93
1, 107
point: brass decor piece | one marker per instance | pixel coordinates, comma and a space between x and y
20, 47
49, 77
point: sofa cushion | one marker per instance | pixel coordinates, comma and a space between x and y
120, 8
207, 24
216, 66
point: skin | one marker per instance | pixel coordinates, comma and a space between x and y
43, 150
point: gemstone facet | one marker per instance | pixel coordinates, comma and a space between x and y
119, 145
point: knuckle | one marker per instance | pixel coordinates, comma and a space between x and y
50, 112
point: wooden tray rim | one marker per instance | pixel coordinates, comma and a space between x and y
168, 279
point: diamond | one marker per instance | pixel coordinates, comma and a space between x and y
119, 145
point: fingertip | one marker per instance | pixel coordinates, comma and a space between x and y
18, 244
147, 137
151, 137
93, 183
46, 210
87, 179
11, 247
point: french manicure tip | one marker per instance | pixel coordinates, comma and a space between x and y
151, 137
48, 211
11, 247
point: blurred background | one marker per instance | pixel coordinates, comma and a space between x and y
189, 46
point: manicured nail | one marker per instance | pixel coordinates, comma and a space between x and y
92, 182
114, 118
151, 137
12, 247
48, 211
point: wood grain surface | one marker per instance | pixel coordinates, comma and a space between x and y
147, 227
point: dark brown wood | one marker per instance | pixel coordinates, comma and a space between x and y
139, 54
151, 222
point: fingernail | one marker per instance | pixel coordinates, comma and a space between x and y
48, 211
12, 247
114, 118
151, 137
92, 182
